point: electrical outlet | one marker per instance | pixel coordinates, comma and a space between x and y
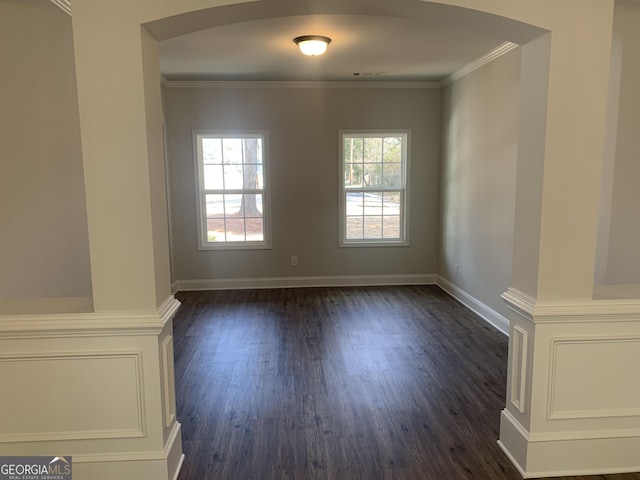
457, 269
294, 261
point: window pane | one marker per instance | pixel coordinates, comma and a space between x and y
233, 178
211, 150
235, 229
372, 175
215, 206
391, 226
213, 177
232, 150
355, 202
353, 149
373, 203
353, 175
391, 204
392, 149
391, 175
354, 228
259, 159
251, 152
255, 229
373, 150
233, 205
259, 177
252, 205
251, 180
215, 230
372, 227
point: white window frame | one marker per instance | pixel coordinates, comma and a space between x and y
202, 230
404, 190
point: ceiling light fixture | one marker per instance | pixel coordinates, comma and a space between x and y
312, 45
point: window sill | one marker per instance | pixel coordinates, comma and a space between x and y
376, 243
234, 246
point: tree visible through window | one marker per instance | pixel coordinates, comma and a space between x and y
231, 189
373, 193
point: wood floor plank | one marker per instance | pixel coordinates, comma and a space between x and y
354, 383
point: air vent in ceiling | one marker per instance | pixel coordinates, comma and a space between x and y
367, 74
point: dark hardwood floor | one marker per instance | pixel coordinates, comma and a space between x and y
339, 383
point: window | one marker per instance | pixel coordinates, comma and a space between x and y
373, 193
231, 171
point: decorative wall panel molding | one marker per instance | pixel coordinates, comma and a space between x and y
72, 385
594, 377
168, 381
519, 361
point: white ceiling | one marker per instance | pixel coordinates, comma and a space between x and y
402, 49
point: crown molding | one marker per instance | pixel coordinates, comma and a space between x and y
65, 5
293, 84
497, 52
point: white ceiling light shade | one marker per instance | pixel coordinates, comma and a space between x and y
312, 45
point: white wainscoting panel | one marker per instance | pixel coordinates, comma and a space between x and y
75, 387
594, 377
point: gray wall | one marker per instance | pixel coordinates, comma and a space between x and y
621, 214
303, 126
44, 248
480, 145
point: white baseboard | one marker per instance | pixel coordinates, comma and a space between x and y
475, 305
298, 282
562, 457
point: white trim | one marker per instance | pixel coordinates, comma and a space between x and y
497, 52
132, 456
587, 310
295, 84
486, 313
168, 309
512, 459
519, 302
299, 282
137, 322
519, 359
179, 467
65, 5
118, 457
168, 381
173, 436
573, 447
564, 436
